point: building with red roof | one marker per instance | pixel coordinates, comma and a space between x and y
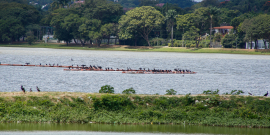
222, 29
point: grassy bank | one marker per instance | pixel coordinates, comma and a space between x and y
141, 48
65, 107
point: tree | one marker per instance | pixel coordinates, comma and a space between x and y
147, 3
170, 17
229, 40
262, 23
72, 23
208, 3
142, 20
14, 18
183, 22
107, 30
250, 28
99, 15
61, 33
213, 11
57, 4
193, 34
30, 37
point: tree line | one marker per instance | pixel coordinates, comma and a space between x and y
100, 19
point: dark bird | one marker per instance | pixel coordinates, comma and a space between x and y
266, 94
249, 93
30, 89
38, 89
22, 88
71, 59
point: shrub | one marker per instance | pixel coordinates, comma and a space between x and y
129, 91
106, 89
228, 41
210, 92
171, 92
112, 102
234, 92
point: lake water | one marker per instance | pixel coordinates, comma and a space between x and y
225, 72
111, 129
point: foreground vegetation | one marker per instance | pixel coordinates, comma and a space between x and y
67, 107
142, 48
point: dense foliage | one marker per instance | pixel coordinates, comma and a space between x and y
97, 20
15, 20
204, 110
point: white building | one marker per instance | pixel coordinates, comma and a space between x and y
260, 45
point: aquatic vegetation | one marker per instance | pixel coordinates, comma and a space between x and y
218, 110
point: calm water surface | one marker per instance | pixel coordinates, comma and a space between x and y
225, 72
106, 129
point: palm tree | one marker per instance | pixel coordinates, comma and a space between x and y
213, 11
170, 17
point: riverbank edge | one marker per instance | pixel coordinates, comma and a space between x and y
143, 48
90, 106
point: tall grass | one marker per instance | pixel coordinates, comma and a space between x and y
111, 108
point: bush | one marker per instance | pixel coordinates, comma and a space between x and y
106, 89
234, 92
228, 41
112, 102
129, 91
211, 92
171, 92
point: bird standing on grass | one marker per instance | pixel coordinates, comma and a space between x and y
22, 88
30, 89
266, 94
38, 89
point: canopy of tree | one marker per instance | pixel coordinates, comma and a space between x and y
137, 3
92, 21
15, 19
142, 20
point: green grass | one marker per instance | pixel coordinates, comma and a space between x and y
141, 48
68, 107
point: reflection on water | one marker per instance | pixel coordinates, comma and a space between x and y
101, 129
225, 72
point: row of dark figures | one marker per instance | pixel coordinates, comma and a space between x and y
85, 67
23, 89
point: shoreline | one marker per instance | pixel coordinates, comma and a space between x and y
77, 107
142, 48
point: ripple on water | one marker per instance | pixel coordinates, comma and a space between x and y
225, 72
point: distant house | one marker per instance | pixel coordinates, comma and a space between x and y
222, 29
260, 45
